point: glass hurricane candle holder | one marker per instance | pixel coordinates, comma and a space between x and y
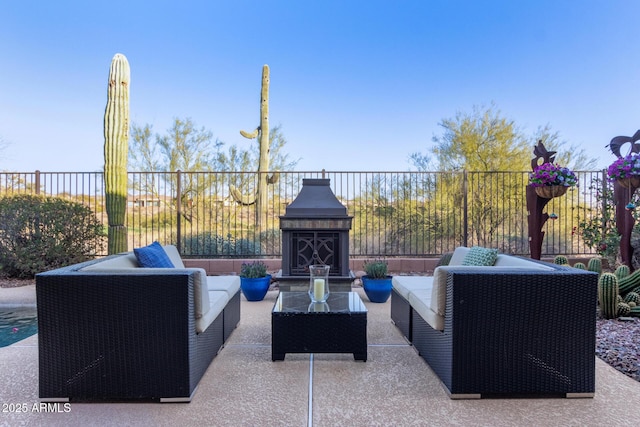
319, 283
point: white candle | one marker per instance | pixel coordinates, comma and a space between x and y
318, 289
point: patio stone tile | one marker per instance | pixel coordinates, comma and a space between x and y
243, 387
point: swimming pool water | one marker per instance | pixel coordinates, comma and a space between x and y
17, 324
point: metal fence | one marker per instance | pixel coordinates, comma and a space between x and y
409, 214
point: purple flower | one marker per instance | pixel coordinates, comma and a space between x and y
624, 167
548, 174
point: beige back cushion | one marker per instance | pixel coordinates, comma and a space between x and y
117, 263
458, 255
512, 261
174, 256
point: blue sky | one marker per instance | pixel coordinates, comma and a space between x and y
355, 85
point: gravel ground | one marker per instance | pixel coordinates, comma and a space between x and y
618, 344
617, 341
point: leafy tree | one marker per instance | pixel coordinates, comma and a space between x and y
486, 145
480, 141
186, 148
183, 148
484, 142
572, 156
143, 155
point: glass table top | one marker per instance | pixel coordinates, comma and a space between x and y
300, 302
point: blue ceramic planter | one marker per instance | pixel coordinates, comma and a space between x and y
377, 290
255, 289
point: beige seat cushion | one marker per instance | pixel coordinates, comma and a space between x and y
404, 285
217, 302
229, 284
420, 301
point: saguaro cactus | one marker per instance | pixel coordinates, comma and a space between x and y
116, 148
262, 133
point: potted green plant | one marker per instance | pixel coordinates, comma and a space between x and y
376, 282
254, 280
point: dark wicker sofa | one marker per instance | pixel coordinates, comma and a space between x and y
507, 331
124, 335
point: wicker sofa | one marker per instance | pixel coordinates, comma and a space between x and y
517, 328
109, 330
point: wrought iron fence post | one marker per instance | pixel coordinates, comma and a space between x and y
465, 209
603, 215
179, 211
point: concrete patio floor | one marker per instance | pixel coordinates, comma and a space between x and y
243, 387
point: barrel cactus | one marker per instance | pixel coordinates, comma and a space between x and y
580, 265
561, 260
632, 297
116, 150
623, 309
635, 312
608, 295
622, 271
595, 265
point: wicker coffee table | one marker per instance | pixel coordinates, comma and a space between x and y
299, 326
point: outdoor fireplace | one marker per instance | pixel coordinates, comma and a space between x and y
315, 230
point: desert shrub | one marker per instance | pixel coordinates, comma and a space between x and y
271, 241
42, 233
213, 244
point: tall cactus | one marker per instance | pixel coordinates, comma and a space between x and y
608, 295
116, 147
262, 133
595, 265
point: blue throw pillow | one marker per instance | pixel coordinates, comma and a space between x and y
153, 256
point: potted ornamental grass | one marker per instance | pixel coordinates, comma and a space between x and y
550, 180
376, 282
254, 280
626, 170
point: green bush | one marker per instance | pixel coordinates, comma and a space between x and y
213, 244
42, 233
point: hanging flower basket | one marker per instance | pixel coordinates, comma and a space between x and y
626, 171
630, 182
550, 180
551, 191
